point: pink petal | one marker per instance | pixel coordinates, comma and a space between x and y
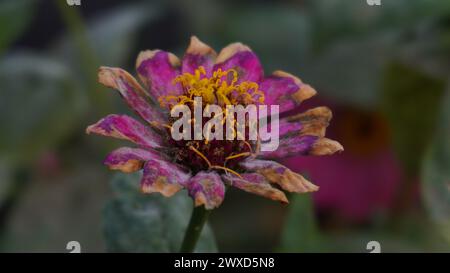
129, 159
303, 134
240, 58
125, 127
206, 188
256, 184
276, 173
285, 90
291, 146
163, 177
198, 54
158, 69
285, 128
132, 92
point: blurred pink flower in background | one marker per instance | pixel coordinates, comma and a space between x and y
363, 180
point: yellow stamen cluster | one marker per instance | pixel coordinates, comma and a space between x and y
221, 89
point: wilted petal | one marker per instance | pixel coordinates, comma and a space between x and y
206, 188
303, 134
131, 91
158, 69
276, 173
240, 58
285, 128
325, 146
163, 177
291, 146
285, 90
314, 121
198, 54
257, 184
124, 127
129, 159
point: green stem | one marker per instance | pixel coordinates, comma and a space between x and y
198, 220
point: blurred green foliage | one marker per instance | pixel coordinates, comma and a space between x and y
41, 101
134, 222
411, 103
436, 173
14, 18
301, 232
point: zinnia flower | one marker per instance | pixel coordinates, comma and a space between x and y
204, 167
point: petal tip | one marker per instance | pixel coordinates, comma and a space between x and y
197, 47
228, 51
145, 55
284, 74
206, 188
283, 199
130, 166
161, 186
149, 54
91, 128
326, 146
106, 76
281, 175
305, 92
325, 112
200, 199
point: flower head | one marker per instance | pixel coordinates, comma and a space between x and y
203, 167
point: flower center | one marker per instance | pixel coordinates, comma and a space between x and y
222, 89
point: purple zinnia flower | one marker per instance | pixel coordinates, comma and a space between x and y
234, 76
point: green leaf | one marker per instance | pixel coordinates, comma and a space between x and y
410, 101
301, 233
14, 18
436, 173
39, 104
136, 222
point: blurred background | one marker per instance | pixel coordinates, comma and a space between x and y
383, 70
